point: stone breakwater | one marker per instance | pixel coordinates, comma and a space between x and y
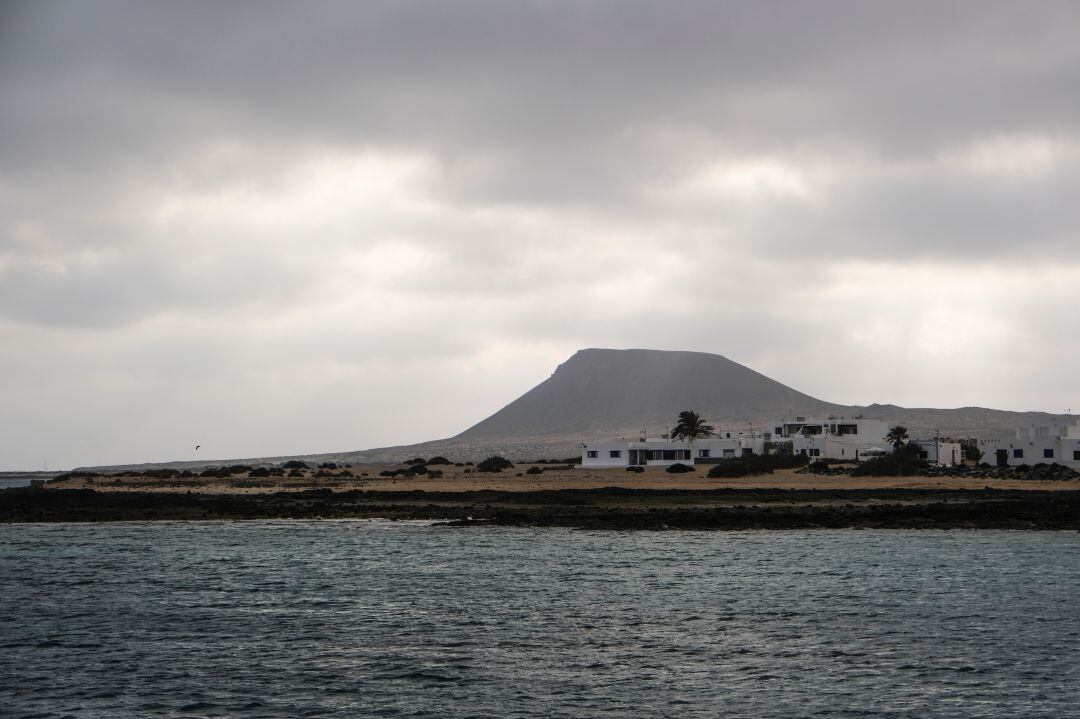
610, 508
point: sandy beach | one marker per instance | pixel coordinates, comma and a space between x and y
467, 479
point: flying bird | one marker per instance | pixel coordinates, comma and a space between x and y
197, 447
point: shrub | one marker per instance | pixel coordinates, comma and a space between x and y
534, 470
295, 464
635, 468
438, 460
415, 460
328, 465
494, 464
434, 474
904, 462
755, 464
260, 472
416, 469
679, 468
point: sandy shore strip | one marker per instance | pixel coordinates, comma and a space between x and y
466, 479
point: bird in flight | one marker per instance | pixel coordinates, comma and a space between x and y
197, 447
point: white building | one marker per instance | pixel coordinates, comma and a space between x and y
940, 451
1055, 442
664, 452
833, 437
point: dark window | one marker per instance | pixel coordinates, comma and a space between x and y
1076, 455
923, 454
592, 454
1048, 454
703, 453
1018, 453
616, 453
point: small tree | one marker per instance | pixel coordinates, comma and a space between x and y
897, 437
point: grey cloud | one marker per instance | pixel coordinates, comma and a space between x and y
559, 136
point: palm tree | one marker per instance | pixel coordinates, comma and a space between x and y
691, 426
897, 437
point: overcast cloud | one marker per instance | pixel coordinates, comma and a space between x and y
273, 228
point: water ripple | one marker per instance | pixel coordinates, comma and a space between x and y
367, 618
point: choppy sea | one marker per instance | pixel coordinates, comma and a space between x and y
375, 618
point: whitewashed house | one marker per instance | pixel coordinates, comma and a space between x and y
940, 451
833, 437
664, 452
1057, 441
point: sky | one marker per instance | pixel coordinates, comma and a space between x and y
272, 228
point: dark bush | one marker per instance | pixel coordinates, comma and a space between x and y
494, 464
434, 474
635, 468
534, 470
260, 472
295, 464
755, 464
415, 460
678, 468
416, 469
904, 462
296, 473
438, 460
328, 465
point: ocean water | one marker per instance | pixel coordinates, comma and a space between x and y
374, 618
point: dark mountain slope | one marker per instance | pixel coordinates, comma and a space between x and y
602, 391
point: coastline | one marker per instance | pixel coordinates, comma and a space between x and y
605, 508
546, 495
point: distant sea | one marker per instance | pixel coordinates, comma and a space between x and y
11, 480
376, 618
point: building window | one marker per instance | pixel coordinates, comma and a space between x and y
1076, 455
1048, 454
1018, 454
616, 453
592, 454
703, 453
815, 452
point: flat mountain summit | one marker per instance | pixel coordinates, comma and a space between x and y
599, 392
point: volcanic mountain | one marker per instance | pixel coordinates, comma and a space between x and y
610, 394
604, 392
607, 394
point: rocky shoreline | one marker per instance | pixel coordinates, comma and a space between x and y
608, 508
